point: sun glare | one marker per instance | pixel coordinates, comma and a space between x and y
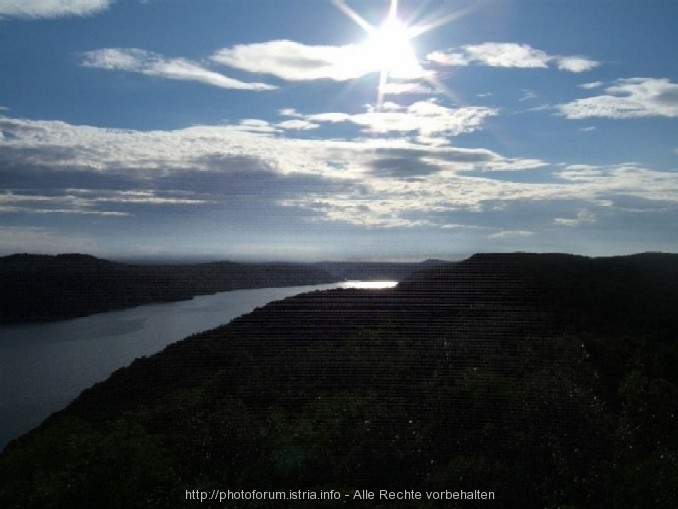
389, 51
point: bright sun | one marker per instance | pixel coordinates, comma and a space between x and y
389, 51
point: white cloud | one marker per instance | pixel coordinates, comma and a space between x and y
628, 98
632, 179
365, 212
41, 204
152, 64
51, 8
428, 119
331, 117
459, 226
576, 64
148, 197
433, 200
290, 112
508, 54
372, 182
511, 234
297, 124
528, 95
87, 201
255, 125
294, 61
583, 216
592, 85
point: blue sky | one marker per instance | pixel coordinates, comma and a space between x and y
317, 130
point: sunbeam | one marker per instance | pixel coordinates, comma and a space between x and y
388, 49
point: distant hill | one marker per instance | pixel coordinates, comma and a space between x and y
547, 380
45, 287
41, 287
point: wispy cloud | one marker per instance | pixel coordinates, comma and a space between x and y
429, 121
51, 8
511, 233
528, 95
591, 85
152, 64
628, 98
583, 216
67, 203
294, 61
508, 54
145, 196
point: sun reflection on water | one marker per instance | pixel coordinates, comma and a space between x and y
369, 285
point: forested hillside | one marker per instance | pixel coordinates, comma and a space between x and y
42, 287
547, 380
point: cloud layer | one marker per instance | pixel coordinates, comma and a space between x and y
54, 167
51, 8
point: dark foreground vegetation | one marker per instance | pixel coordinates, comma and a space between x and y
549, 380
42, 287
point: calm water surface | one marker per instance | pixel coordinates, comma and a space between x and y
44, 366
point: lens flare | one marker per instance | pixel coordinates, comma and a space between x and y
391, 51
388, 49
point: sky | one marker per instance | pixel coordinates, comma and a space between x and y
338, 130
